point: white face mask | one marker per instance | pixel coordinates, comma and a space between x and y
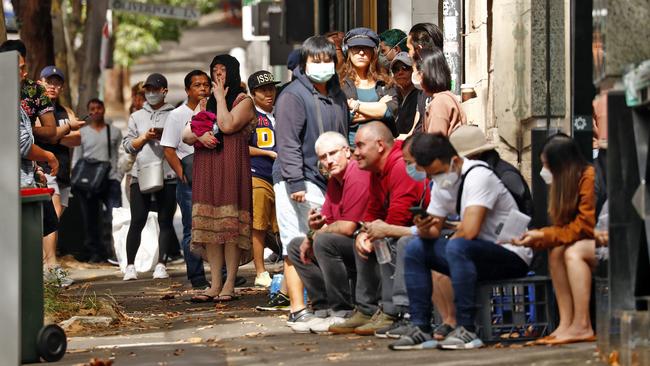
546, 175
415, 79
321, 72
446, 181
154, 98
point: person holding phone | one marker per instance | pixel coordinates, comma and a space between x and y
386, 222
324, 258
471, 254
570, 238
143, 140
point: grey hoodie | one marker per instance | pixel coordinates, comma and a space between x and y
139, 123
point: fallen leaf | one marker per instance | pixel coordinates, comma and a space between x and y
178, 352
335, 357
194, 340
353, 337
204, 328
168, 297
253, 334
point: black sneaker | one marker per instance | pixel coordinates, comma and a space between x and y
278, 302
415, 339
387, 332
240, 281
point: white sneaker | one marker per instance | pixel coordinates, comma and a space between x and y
305, 325
130, 273
323, 325
160, 271
263, 280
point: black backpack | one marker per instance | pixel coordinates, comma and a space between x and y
524, 200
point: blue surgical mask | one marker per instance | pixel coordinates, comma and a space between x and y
321, 72
415, 174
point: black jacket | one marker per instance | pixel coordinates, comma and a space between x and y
350, 91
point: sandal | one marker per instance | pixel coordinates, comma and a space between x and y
202, 298
225, 298
442, 331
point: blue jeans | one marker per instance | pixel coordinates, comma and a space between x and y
466, 262
194, 264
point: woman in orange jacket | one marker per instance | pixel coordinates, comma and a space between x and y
570, 239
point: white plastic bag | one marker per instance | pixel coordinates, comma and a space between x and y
147, 255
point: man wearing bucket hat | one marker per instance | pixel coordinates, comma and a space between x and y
470, 142
263, 151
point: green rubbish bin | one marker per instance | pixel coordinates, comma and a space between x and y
37, 341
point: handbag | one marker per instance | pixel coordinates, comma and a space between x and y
188, 165
150, 177
90, 175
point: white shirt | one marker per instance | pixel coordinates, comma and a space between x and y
482, 188
173, 132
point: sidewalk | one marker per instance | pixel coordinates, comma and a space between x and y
163, 328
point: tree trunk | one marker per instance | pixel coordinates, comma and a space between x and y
36, 33
90, 52
3, 28
61, 50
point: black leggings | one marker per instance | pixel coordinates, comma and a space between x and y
140, 207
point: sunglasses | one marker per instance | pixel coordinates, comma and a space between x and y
397, 68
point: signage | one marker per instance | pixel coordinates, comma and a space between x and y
157, 10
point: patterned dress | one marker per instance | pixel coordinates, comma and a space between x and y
222, 193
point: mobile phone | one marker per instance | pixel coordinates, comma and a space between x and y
418, 211
158, 130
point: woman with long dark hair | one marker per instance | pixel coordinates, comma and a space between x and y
221, 178
570, 238
443, 113
371, 93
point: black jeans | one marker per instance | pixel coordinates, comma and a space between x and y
328, 278
94, 244
140, 207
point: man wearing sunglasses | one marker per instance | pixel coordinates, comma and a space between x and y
401, 69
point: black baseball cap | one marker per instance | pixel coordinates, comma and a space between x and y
361, 37
155, 80
261, 78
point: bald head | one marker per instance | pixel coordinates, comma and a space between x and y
374, 143
376, 131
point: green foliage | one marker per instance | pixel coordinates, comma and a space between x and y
138, 35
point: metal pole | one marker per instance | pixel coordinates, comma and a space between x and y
548, 67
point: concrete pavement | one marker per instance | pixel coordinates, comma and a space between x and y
162, 328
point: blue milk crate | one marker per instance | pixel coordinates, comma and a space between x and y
518, 309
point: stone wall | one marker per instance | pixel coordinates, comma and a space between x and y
508, 68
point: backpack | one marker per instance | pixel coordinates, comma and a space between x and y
524, 200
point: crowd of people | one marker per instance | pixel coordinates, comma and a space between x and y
386, 201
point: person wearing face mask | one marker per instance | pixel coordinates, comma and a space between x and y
312, 104
380, 293
401, 69
145, 128
392, 42
470, 255
371, 93
443, 113
570, 238
422, 36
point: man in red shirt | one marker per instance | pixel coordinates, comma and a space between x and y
325, 258
386, 220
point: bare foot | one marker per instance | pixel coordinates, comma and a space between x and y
560, 331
